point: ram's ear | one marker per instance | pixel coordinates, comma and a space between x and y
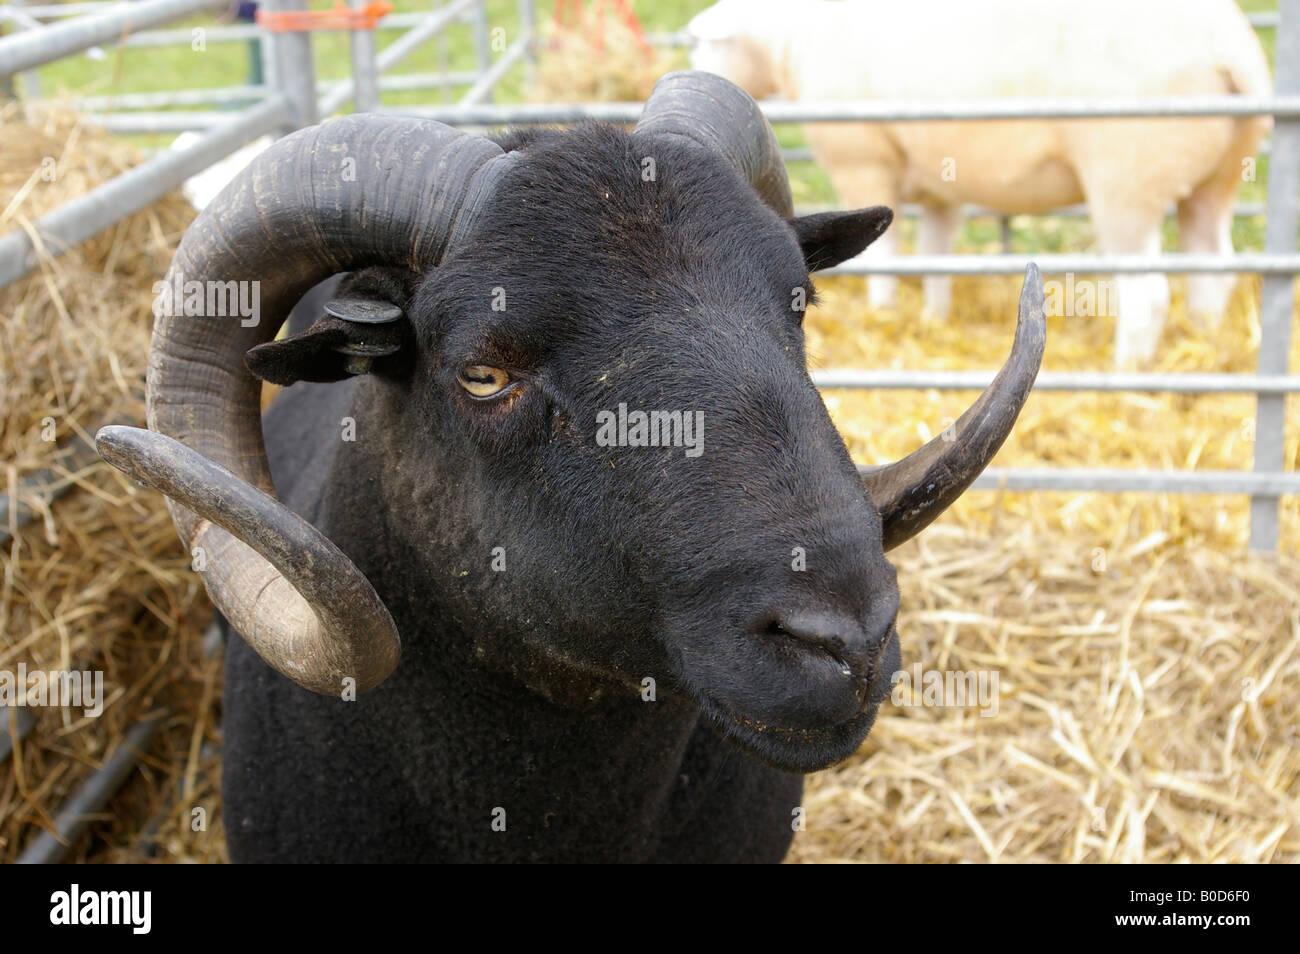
309, 356
334, 348
828, 238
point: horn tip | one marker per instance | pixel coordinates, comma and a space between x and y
1033, 287
113, 441
131, 450
1032, 298
1031, 323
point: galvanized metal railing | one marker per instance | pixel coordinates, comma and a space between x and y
1279, 263
129, 113
291, 98
300, 100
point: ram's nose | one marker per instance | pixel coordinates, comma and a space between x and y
833, 658
840, 637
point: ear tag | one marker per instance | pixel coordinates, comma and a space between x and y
375, 341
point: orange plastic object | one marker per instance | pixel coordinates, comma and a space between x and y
340, 17
570, 14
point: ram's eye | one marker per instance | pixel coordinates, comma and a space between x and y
482, 381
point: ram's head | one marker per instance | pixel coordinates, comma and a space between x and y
599, 377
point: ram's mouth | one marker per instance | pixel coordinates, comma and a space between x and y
808, 750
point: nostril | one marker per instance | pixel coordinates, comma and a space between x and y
822, 666
839, 637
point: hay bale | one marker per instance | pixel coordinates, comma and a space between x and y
98, 580
1147, 666
596, 61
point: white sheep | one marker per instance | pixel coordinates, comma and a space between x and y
1128, 171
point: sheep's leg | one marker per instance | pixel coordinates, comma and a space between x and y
1143, 307
882, 290
939, 225
860, 184
1125, 226
1205, 225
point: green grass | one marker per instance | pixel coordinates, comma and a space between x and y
227, 64
129, 70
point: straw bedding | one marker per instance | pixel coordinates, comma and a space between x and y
98, 580
1147, 667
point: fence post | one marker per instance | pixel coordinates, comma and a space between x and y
444, 63
365, 77
295, 70
528, 24
1277, 297
482, 43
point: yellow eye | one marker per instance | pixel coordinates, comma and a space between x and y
482, 381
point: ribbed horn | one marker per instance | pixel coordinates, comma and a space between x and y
722, 117
912, 492
350, 193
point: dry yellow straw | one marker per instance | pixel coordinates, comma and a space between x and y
1147, 668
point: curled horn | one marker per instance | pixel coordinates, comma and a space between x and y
720, 116
912, 492
357, 191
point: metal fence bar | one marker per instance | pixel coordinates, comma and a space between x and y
229, 33
1279, 263
242, 33
333, 99
234, 33
1099, 480
365, 78
394, 21
1277, 296
430, 25
235, 95
34, 47
1102, 381
295, 69
31, 77
528, 25
330, 92
887, 111
76, 814
408, 81
216, 95
1061, 263
172, 121
482, 54
40, 489
1260, 21
24, 722
443, 57
134, 189
483, 88
60, 10
31, 80
268, 68
911, 211
805, 153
